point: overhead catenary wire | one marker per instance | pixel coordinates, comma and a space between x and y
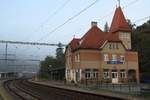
111, 12
71, 18
125, 6
141, 19
53, 14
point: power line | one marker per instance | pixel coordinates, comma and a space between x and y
108, 14
127, 5
30, 43
141, 19
54, 13
71, 18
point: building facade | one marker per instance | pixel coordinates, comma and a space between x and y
103, 56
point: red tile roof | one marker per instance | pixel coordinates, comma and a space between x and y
119, 22
95, 37
74, 43
113, 37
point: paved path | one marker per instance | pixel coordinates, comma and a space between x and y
96, 91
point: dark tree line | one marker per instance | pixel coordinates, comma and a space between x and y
141, 43
50, 61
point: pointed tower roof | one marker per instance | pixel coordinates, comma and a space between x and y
119, 22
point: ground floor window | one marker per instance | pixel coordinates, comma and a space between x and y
106, 74
122, 73
114, 74
95, 73
91, 73
87, 73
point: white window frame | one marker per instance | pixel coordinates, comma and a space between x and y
87, 75
122, 74
122, 58
114, 57
78, 58
106, 58
95, 74
106, 75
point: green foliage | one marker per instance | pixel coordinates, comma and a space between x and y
141, 43
52, 62
106, 27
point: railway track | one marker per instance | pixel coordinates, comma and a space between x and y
17, 92
34, 91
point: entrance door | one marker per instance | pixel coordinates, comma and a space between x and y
114, 77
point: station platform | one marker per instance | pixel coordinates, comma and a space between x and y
61, 84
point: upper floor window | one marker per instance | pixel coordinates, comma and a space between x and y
106, 57
75, 58
122, 58
114, 57
113, 46
78, 58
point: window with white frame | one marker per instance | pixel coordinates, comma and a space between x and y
106, 74
123, 74
106, 58
88, 73
122, 58
114, 57
95, 73
78, 57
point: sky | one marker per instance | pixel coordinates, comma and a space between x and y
30, 20
34, 20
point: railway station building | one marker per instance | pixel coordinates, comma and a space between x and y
103, 56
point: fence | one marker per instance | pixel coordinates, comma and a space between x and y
131, 87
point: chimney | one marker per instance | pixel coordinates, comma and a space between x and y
93, 23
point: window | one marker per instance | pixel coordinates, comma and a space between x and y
106, 57
95, 73
106, 74
122, 58
88, 73
123, 74
117, 47
114, 57
110, 46
91, 73
78, 57
75, 58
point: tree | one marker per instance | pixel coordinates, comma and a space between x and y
141, 43
106, 27
59, 52
60, 55
132, 26
49, 61
44, 66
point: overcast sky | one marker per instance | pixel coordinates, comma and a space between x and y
31, 20
34, 20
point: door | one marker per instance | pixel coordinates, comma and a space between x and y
114, 77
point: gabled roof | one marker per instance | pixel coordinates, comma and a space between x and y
93, 38
74, 43
119, 22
